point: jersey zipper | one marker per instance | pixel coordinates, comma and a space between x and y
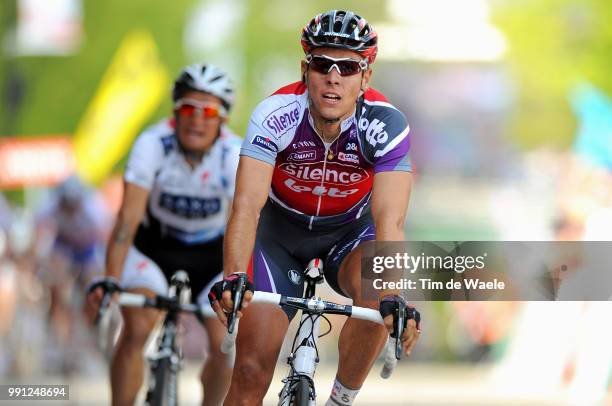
322, 182
323, 176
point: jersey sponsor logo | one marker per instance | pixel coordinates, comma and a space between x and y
295, 277
348, 157
334, 174
142, 265
301, 144
167, 143
189, 206
374, 131
264, 143
319, 190
351, 146
303, 156
282, 119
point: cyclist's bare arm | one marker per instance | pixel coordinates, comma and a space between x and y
390, 197
253, 182
130, 214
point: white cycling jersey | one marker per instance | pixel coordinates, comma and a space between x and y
186, 204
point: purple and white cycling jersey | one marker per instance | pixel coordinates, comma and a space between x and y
326, 185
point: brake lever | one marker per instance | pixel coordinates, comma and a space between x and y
105, 302
106, 298
240, 287
399, 329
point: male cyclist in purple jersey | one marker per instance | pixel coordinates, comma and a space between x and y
324, 166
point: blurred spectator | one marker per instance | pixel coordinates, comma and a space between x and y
72, 229
5, 214
21, 331
73, 226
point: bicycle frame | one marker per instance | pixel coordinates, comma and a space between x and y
166, 362
304, 356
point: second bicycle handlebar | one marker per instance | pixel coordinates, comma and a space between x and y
127, 299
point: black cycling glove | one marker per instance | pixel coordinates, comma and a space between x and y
392, 305
229, 283
107, 283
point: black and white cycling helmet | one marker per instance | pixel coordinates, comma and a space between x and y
341, 29
205, 78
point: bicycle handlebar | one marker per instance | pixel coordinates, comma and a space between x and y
318, 306
127, 299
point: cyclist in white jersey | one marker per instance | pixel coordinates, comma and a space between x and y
324, 166
179, 182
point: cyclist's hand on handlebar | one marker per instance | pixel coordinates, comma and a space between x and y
95, 294
411, 329
222, 293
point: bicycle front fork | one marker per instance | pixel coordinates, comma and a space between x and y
303, 359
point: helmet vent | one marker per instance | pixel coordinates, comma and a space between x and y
216, 78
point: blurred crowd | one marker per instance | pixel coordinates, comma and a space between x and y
47, 258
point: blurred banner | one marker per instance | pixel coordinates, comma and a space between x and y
49, 27
132, 88
35, 161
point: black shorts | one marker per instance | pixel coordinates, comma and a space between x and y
202, 262
283, 248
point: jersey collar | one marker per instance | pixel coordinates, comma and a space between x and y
344, 125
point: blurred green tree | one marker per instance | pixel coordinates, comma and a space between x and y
553, 45
58, 89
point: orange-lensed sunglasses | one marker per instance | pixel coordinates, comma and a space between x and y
189, 107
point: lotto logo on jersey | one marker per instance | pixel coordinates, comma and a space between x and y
264, 143
190, 207
303, 156
332, 173
374, 131
281, 120
319, 190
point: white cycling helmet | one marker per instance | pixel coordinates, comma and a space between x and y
205, 78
